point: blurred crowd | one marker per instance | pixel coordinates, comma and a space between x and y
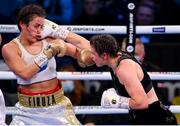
97, 12
92, 12
100, 12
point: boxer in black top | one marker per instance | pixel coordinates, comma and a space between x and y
133, 89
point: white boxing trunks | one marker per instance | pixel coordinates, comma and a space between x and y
51, 109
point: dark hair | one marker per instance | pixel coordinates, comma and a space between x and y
28, 12
105, 44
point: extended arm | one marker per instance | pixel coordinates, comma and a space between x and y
83, 56
52, 29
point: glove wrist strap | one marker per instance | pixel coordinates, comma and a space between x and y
41, 60
61, 33
124, 102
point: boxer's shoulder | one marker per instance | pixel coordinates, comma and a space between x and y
12, 45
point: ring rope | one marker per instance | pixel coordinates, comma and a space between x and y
8, 75
101, 75
84, 29
96, 110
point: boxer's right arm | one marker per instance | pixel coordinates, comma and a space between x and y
15, 63
84, 58
18, 66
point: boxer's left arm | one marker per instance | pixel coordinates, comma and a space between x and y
78, 40
83, 56
52, 29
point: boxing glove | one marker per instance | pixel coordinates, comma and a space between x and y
50, 51
110, 99
57, 48
51, 29
84, 58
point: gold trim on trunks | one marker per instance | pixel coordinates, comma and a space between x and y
41, 100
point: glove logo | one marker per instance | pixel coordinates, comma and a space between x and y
113, 101
53, 27
69, 28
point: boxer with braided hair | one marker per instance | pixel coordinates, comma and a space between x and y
31, 57
133, 88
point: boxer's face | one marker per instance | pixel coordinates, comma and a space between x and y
34, 28
97, 58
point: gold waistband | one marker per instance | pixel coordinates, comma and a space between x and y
41, 100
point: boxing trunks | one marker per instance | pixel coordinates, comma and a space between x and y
155, 114
47, 108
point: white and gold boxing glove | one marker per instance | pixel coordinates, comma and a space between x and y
51, 29
110, 99
59, 48
51, 50
41, 60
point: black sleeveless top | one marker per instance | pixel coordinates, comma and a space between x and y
146, 81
